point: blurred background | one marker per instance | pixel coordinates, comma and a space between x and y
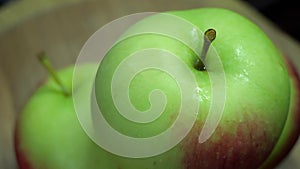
284, 13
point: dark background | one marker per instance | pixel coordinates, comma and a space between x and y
284, 13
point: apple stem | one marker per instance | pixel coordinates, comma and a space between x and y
48, 66
209, 37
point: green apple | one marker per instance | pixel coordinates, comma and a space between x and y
291, 131
48, 134
257, 92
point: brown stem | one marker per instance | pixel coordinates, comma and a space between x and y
209, 37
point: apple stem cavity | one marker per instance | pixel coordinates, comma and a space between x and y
48, 66
209, 37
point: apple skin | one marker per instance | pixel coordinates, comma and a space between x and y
291, 130
257, 94
48, 134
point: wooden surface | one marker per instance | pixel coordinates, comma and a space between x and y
7, 121
61, 29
